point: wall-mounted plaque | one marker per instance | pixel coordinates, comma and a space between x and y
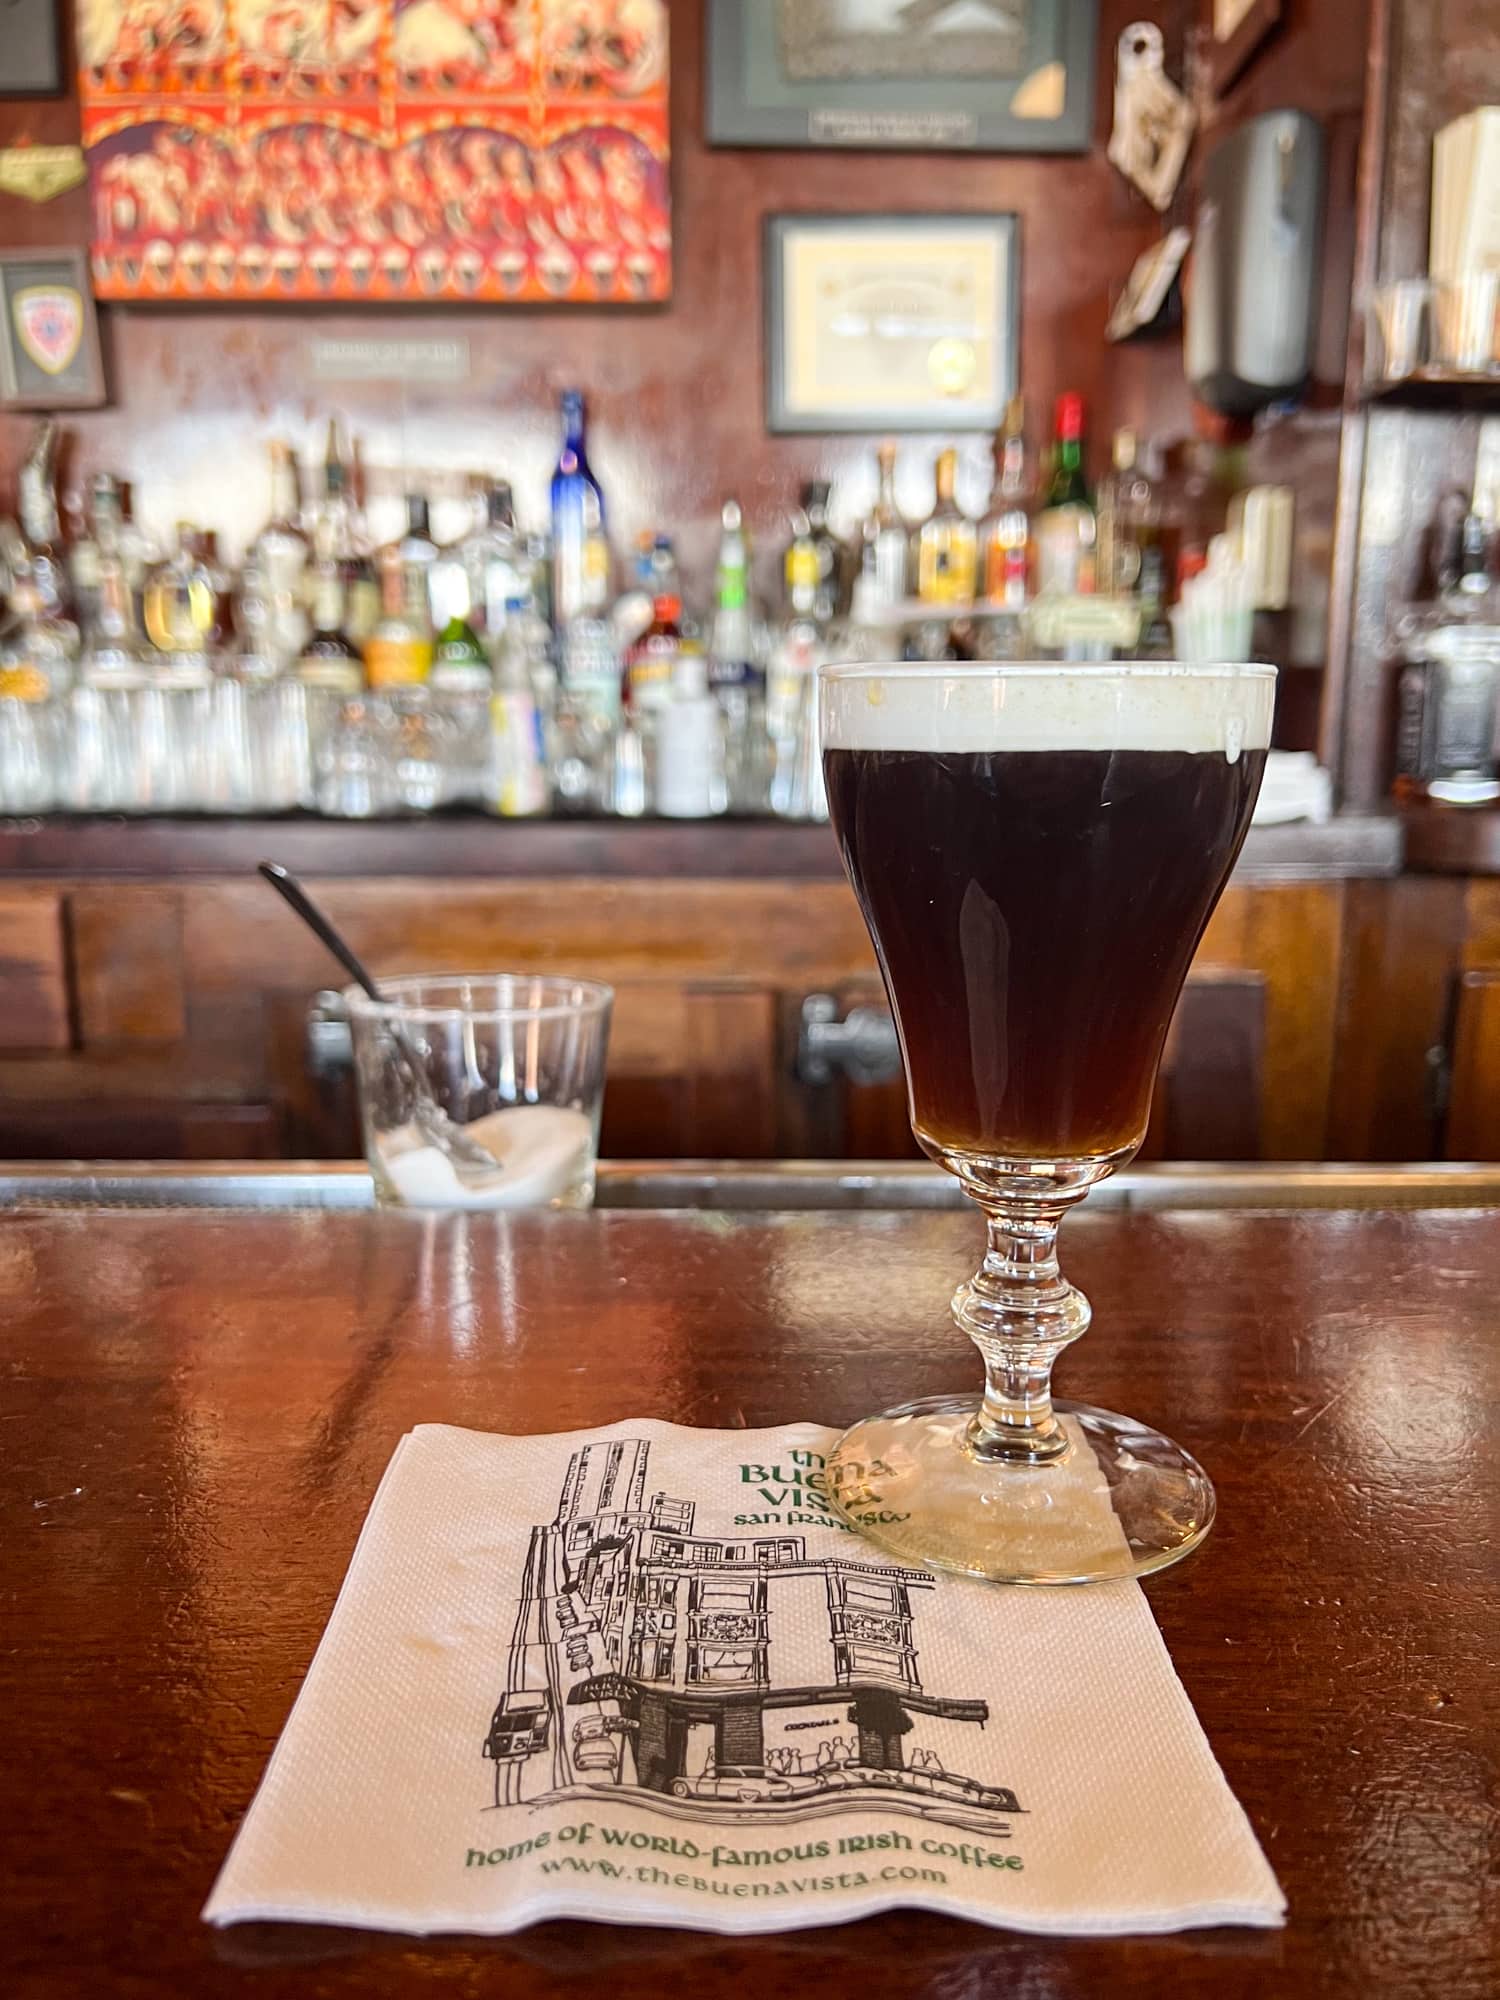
40, 173
890, 322
1000, 76
49, 333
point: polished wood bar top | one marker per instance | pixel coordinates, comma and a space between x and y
1349, 847
198, 1406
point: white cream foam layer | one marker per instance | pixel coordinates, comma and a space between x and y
950, 710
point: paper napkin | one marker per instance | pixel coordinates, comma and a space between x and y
642, 1675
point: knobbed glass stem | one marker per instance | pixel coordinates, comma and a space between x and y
1020, 1312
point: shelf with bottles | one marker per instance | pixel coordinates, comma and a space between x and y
1447, 645
603, 693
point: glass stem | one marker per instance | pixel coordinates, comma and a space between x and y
1020, 1312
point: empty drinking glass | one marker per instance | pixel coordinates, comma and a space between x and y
460, 1070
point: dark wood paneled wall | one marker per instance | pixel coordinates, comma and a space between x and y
676, 392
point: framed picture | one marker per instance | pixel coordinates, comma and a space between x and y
49, 336
890, 322
30, 49
494, 152
1236, 29
999, 76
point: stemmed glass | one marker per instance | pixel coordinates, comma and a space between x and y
1036, 848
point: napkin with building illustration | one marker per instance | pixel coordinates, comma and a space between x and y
642, 1675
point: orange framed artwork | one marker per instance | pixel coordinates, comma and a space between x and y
378, 150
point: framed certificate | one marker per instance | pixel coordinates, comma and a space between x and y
890, 322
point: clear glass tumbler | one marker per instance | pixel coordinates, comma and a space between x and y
1036, 849
481, 1090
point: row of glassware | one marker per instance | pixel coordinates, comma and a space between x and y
237, 747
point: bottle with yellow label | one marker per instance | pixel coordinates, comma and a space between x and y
947, 544
398, 653
185, 603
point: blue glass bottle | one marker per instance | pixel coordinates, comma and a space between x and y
580, 551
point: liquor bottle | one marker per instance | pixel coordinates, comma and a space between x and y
1065, 531
186, 597
518, 721
799, 568
734, 674
650, 660
585, 712
282, 552
37, 497
1459, 713
830, 597
38, 646
1444, 544
689, 745
1201, 478
417, 552
947, 544
113, 647
731, 649
329, 658
399, 650
495, 560
885, 541
459, 662
580, 552
103, 767
462, 689
1005, 536
1472, 579
1128, 526
791, 711
85, 557
340, 541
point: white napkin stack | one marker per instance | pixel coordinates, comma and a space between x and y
641, 1675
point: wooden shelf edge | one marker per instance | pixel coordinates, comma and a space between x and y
1347, 847
1435, 391
1452, 840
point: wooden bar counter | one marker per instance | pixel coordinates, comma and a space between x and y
198, 1407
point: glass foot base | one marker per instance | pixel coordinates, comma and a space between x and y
1122, 1500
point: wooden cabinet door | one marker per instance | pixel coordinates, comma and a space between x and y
1471, 1127
1283, 939
692, 1071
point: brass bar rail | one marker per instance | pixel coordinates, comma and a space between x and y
729, 1184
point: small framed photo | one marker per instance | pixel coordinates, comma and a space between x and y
988, 76
30, 49
1236, 29
890, 322
49, 335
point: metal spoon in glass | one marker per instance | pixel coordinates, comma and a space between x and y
469, 1160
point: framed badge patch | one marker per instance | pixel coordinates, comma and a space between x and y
49, 336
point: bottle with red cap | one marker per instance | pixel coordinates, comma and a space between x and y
1066, 528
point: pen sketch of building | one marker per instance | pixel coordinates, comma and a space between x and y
734, 1675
